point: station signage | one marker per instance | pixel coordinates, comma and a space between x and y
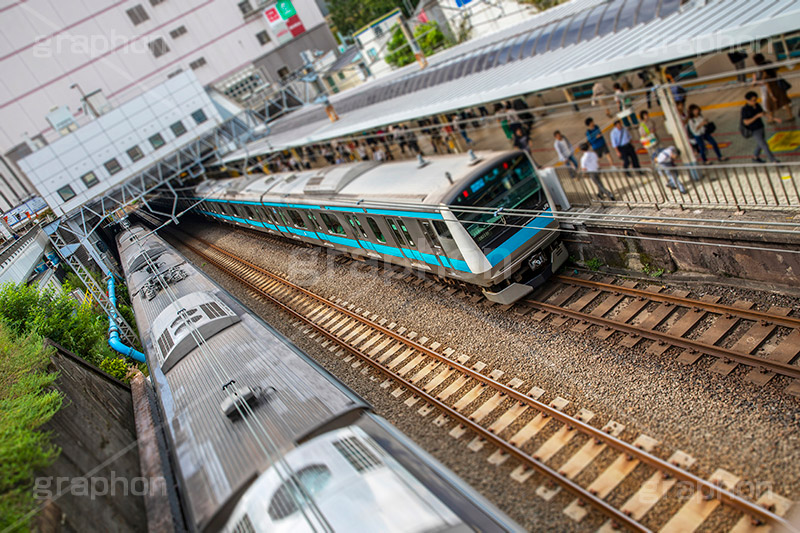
283, 21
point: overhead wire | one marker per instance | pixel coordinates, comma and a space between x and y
230, 388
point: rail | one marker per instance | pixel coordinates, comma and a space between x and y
264, 283
771, 186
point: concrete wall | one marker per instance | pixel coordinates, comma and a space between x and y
96, 432
624, 249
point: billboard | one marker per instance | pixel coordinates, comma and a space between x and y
283, 21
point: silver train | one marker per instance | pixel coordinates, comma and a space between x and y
452, 216
260, 436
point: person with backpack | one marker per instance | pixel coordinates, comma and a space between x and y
595, 137
752, 125
701, 129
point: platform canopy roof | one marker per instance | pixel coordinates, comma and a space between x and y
571, 43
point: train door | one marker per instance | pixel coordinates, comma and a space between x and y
362, 237
433, 244
282, 222
408, 244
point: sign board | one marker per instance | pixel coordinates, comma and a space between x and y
462, 3
283, 21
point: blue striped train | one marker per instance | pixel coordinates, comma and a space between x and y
483, 219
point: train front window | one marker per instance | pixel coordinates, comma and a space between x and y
511, 184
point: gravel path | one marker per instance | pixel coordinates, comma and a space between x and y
724, 422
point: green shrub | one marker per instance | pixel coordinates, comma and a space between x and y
26, 403
115, 366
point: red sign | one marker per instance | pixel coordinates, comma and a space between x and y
272, 14
295, 26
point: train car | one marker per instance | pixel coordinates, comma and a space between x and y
481, 218
261, 437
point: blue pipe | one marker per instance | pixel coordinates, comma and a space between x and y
113, 331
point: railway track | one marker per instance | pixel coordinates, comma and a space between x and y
767, 342
487, 409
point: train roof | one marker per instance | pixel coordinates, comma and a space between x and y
405, 181
219, 455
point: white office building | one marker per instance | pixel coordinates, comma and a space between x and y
124, 141
53, 54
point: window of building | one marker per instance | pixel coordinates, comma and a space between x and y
66, 193
90, 180
177, 32
197, 63
373, 53
158, 47
263, 37
178, 128
135, 153
137, 14
199, 116
244, 86
154, 3
174, 73
330, 81
112, 165
283, 73
245, 7
341, 75
157, 141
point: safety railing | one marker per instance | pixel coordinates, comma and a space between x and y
739, 186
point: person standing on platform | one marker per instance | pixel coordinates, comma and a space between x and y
701, 129
753, 126
665, 161
523, 142
621, 141
647, 133
595, 137
564, 150
590, 164
774, 89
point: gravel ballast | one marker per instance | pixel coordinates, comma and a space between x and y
722, 421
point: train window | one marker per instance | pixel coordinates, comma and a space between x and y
279, 216
357, 226
430, 235
406, 234
376, 230
511, 185
297, 220
313, 220
288, 499
333, 224
446, 238
396, 231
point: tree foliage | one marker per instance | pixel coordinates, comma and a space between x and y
429, 37
351, 15
57, 316
26, 403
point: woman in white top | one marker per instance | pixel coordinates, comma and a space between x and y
700, 129
564, 150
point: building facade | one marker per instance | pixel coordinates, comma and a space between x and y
54, 54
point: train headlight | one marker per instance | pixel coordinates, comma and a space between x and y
536, 261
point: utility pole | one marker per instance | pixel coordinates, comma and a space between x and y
418, 53
83, 98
